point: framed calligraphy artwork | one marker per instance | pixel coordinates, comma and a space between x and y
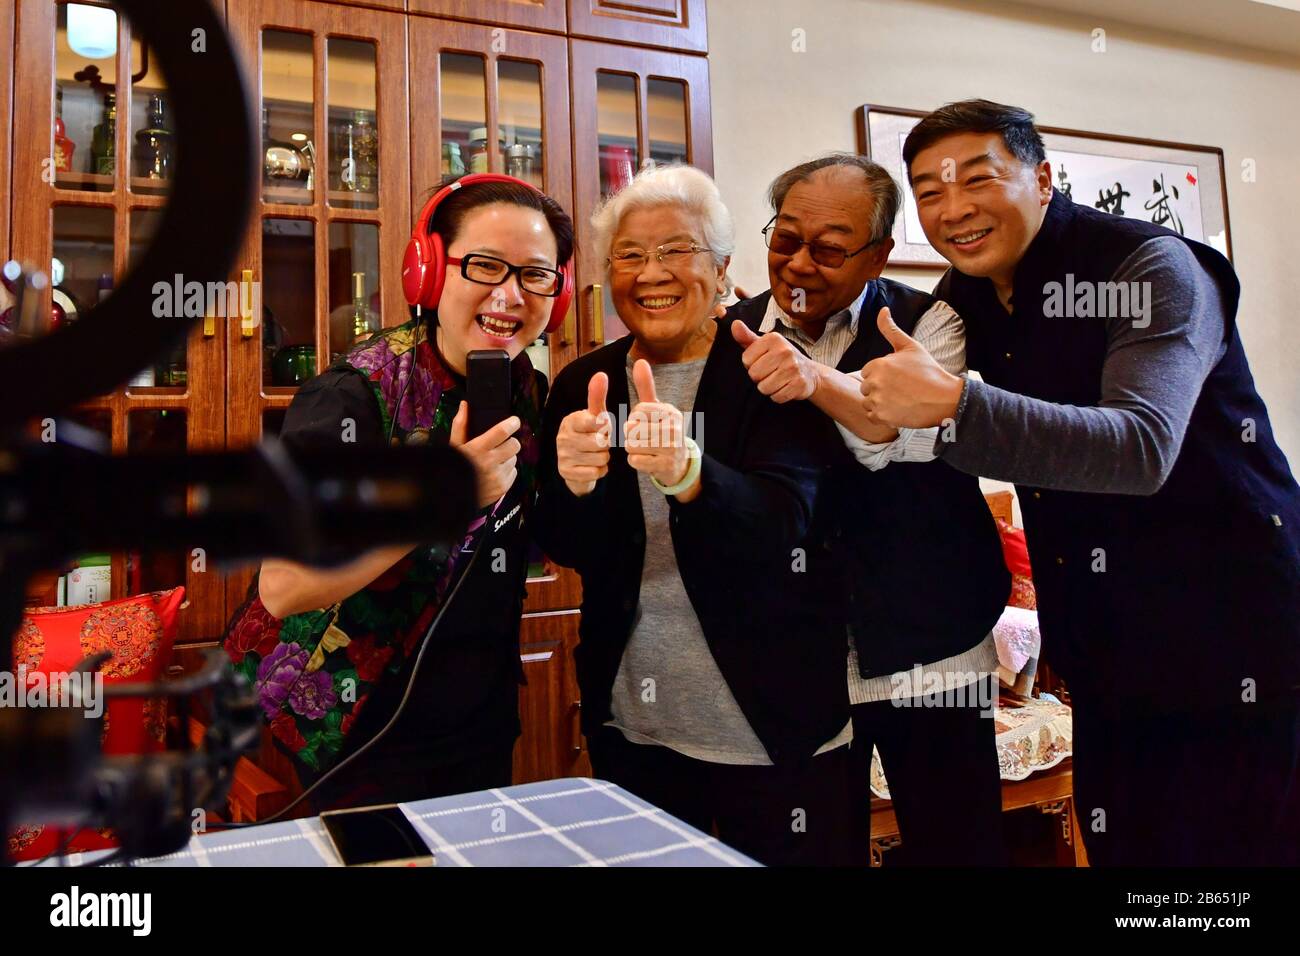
1176, 185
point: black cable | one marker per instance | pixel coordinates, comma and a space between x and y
392, 427
406, 696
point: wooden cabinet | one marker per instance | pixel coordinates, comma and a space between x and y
364, 106
85, 203
380, 4
529, 14
630, 107
552, 744
322, 251
673, 24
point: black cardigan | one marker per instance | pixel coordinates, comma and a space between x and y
766, 601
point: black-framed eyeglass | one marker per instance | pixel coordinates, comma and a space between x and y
489, 270
823, 253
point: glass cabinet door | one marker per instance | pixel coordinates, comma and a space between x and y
323, 252
499, 102
91, 182
630, 108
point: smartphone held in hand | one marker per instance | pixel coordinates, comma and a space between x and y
487, 389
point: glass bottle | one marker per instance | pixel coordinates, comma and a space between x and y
155, 143
63, 147
103, 143
519, 162
478, 150
173, 371
452, 162
359, 161
67, 309
363, 320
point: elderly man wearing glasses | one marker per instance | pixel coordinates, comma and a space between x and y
711, 660
916, 554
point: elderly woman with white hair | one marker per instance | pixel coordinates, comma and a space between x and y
712, 652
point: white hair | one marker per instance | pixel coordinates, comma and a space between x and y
672, 185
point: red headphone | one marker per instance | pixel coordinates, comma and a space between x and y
424, 266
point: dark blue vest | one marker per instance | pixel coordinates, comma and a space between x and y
913, 545
1184, 599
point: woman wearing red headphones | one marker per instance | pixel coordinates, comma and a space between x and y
330, 652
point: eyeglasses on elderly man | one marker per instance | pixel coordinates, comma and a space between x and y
786, 243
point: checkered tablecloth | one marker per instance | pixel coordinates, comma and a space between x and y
573, 821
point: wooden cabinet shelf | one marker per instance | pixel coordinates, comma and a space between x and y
100, 183
337, 198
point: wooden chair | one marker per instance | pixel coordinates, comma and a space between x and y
1051, 791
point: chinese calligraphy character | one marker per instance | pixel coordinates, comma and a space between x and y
1112, 200
1064, 188
1159, 207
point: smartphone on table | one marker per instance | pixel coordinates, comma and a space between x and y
376, 836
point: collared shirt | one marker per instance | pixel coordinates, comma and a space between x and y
941, 333
939, 330
840, 331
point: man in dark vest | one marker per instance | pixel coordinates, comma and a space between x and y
1162, 519
909, 551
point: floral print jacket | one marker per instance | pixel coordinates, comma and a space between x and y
314, 671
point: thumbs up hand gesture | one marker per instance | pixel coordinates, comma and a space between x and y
782, 372
582, 445
907, 389
654, 435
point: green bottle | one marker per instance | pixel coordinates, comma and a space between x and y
103, 142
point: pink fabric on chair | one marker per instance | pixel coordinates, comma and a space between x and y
1017, 638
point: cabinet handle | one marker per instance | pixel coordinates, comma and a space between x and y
577, 727
567, 329
209, 326
247, 323
597, 315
